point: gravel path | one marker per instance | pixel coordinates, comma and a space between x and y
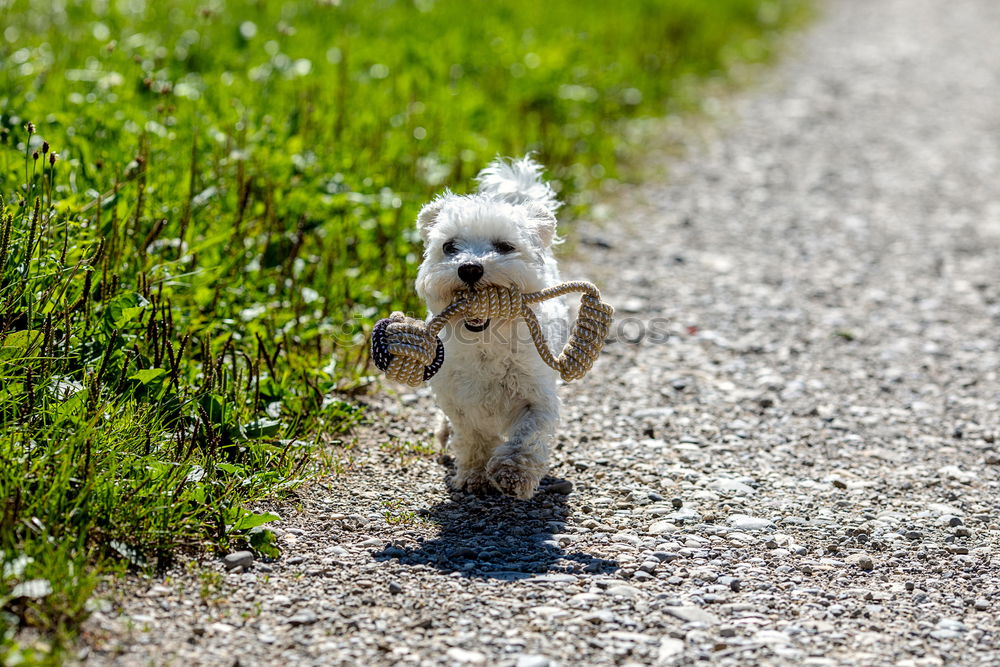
788, 453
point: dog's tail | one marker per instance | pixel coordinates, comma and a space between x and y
517, 182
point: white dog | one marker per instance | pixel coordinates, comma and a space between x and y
498, 396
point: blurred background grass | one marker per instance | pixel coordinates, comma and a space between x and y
205, 206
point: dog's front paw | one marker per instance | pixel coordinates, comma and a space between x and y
512, 478
471, 481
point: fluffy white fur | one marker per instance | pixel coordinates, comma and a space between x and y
498, 397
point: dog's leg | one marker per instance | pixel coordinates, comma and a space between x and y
472, 450
518, 465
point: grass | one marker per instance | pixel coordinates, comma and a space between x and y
205, 205
396, 515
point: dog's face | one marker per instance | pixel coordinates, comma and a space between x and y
473, 240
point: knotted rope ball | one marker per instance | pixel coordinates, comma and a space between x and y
408, 350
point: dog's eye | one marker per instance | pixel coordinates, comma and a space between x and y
449, 247
503, 247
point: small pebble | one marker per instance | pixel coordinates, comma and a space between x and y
237, 559
532, 660
303, 618
562, 487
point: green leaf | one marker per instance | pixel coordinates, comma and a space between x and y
264, 542
20, 344
261, 428
251, 520
148, 375
71, 407
232, 469
124, 308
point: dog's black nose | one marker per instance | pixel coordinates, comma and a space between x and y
470, 273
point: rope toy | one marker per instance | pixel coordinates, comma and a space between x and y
408, 350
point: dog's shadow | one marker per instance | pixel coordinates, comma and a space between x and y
496, 537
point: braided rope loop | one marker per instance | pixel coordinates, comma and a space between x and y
409, 351
405, 350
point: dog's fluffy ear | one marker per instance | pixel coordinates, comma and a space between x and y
428, 215
542, 221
